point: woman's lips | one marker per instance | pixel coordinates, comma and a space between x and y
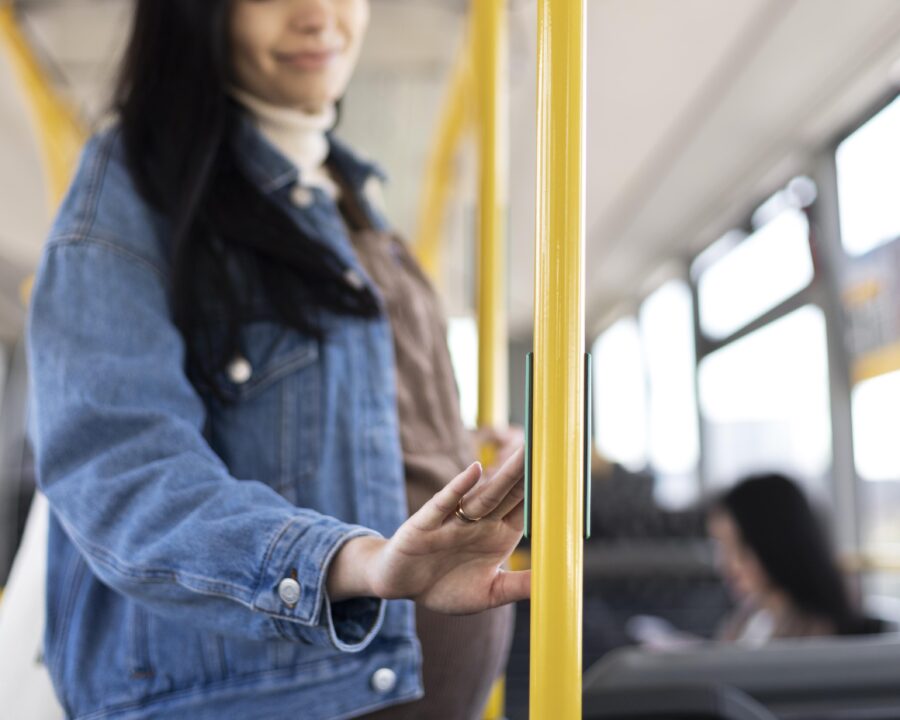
307, 60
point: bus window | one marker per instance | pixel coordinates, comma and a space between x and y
667, 331
766, 268
876, 417
764, 401
620, 406
462, 340
868, 174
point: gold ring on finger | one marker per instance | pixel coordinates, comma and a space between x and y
461, 514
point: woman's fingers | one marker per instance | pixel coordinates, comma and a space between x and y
515, 518
488, 496
510, 587
500, 494
513, 498
433, 513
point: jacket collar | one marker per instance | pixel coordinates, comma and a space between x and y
272, 171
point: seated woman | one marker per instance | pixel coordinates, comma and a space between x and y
778, 563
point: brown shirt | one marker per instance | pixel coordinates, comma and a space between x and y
462, 655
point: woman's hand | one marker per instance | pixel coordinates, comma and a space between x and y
443, 562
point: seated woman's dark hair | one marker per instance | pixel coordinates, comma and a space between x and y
179, 125
778, 525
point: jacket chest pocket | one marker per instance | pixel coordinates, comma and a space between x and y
267, 428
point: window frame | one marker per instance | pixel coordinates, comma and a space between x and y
823, 292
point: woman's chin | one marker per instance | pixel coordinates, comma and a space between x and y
311, 95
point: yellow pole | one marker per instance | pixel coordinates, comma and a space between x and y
59, 131
489, 70
490, 67
60, 134
558, 442
455, 119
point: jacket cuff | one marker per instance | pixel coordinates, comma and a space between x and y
292, 586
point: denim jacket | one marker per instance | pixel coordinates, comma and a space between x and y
190, 538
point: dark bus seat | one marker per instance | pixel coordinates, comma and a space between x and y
852, 678
700, 702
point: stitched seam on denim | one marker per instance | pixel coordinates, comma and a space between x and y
314, 619
96, 174
278, 181
367, 634
295, 360
119, 565
386, 703
312, 424
281, 631
294, 671
293, 619
140, 640
403, 652
70, 239
365, 456
394, 700
204, 585
58, 606
268, 184
65, 615
284, 472
220, 653
326, 564
267, 558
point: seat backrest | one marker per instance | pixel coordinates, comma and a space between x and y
697, 702
800, 678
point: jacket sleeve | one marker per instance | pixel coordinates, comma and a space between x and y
117, 430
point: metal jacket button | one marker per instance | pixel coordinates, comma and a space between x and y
289, 591
353, 279
301, 196
384, 680
239, 370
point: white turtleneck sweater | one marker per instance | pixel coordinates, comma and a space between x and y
297, 135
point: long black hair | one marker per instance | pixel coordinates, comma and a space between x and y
178, 127
778, 524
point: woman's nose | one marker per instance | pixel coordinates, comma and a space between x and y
312, 17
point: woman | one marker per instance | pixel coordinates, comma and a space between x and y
776, 559
235, 366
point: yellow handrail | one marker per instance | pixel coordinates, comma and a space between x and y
456, 118
493, 135
558, 429
489, 42
60, 134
